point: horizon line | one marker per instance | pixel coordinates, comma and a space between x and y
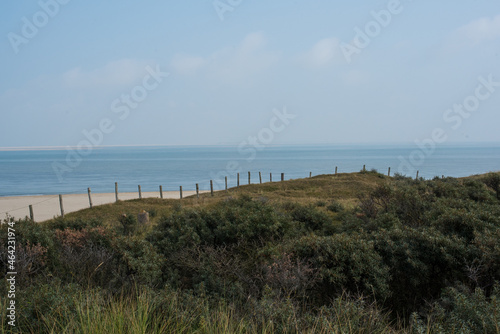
68, 147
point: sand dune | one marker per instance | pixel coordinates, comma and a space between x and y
47, 206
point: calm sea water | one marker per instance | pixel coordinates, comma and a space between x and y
61, 172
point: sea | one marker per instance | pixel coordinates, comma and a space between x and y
72, 171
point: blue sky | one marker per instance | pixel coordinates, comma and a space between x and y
232, 64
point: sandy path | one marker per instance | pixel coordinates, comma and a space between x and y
47, 206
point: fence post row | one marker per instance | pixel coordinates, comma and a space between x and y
32, 216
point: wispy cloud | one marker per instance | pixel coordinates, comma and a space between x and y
322, 54
116, 73
473, 34
186, 64
229, 64
481, 30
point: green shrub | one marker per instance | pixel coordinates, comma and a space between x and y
310, 218
128, 223
61, 223
421, 261
344, 263
143, 264
462, 311
477, 191
335, 206
492, 180
226, 223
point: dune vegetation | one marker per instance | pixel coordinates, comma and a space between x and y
346, 253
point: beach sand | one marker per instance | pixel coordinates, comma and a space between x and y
47, 206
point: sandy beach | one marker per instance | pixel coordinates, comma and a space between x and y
47, 206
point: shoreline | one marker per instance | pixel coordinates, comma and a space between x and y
46, 207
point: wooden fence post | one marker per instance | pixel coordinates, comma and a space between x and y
389, 172
364, 168
32, 216
248, 177
140, 192
282, 177
116, 191
270, 177
180, 191
335, 170
238, 180
161, 192
225, 179
211, 187
416, 178
197, 191
61, 205
310, 174
90, 198
260, 177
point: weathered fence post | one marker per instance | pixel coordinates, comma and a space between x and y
161, 192
416, 178
32, 216
140, 192
61, 205
270, 177
260, 177
310, 174
389, 172
248, 177
238, 180
364, 168
197, 191
211, 187
180, 191
116, 191
282, 177
225, 179
335, 170
90, 198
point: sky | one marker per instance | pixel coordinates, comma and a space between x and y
225, 72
